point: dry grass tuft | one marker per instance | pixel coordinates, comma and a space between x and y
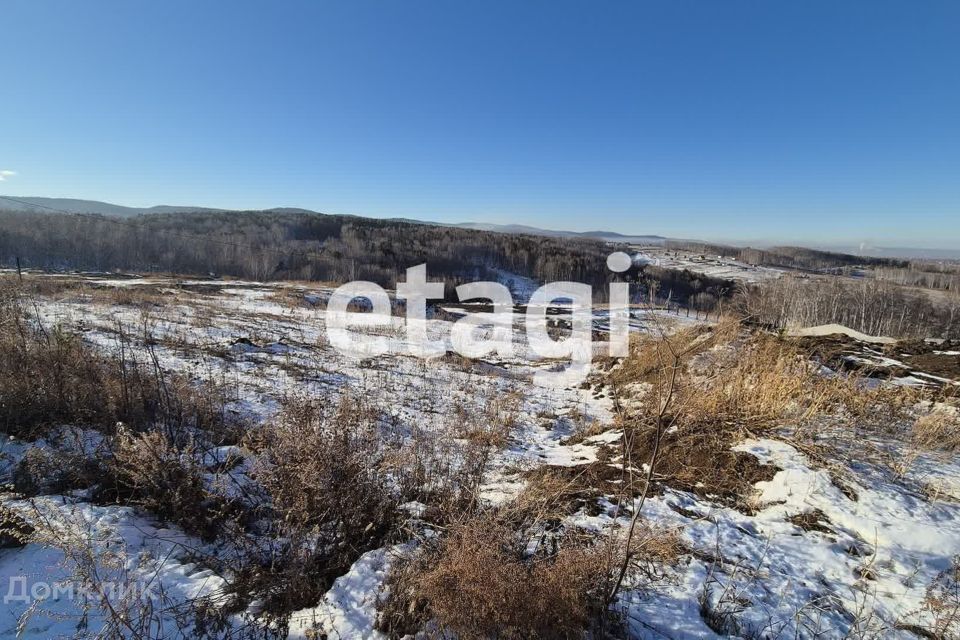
479, 582
941, 606
14, 530
322, 470
564, 490
51, 377
44, 471
938, 429
708, 389
150, 471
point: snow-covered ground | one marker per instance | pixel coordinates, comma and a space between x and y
862, 571
723, 267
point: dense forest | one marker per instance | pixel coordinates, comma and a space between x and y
271, 245
276, 245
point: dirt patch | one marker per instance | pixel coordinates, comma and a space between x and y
703, 463
202, 288
844, 487
567, 490
815, 520
842, 353
700, 463
937, 364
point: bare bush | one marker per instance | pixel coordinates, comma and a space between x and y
321, 468
52, 377
150, 471
942, 602
43, 471
751, 383
49, 377
478, 581
14, 530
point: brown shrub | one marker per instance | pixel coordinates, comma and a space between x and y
478, 582
321, 469
14, 530
44, 471
150, 471
556, 491
52, 377
710, 389
440, 471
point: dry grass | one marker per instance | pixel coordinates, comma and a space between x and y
45, 471
940, 611
493, 427
939, 429
323, 465
52, 377
321, 468
147, 297
150, 471
479, 582
709, 389
563, 490
943, 602
14, 530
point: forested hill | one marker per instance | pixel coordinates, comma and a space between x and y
274, 245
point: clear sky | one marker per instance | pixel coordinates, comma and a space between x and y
805, 121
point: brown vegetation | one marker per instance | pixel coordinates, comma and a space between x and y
52, 377
871, 306
938, 429
725, 384
480, 581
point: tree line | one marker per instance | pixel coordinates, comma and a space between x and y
928, 275
278, 245
875, 307
270, 245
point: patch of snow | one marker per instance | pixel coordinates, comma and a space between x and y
839, 329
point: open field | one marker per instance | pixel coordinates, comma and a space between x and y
767, 512
713, 265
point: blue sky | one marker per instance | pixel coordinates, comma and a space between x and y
754, 121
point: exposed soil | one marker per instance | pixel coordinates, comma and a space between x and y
815, 520
700, 460
927, 358
916, 356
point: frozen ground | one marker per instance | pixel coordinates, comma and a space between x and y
723, 267
861, 570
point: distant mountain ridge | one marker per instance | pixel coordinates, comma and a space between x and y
73, 205
611, 236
